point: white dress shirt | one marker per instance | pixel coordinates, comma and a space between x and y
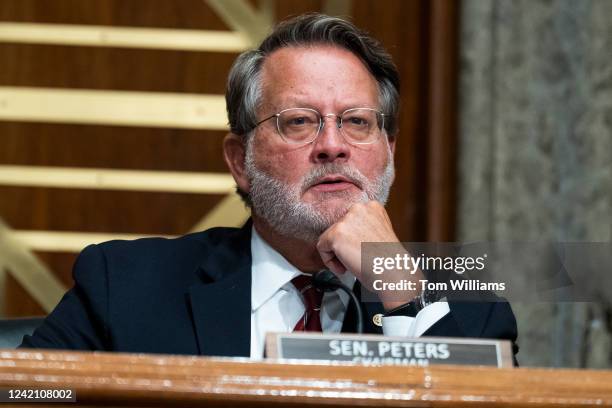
276, 305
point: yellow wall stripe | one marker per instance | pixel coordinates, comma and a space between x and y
154, 109
28, 270
127, 37
240, 15
229, 212
68, 241
111, 179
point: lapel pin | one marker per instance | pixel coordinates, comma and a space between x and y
377, 319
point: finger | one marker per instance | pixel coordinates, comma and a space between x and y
335, 266
324, 244
326, 256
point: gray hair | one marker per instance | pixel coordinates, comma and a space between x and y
243, 94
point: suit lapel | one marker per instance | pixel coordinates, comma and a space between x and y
369, 308
221, 303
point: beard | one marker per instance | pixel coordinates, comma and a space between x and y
281, 206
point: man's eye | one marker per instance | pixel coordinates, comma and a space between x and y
299, 121
357, 121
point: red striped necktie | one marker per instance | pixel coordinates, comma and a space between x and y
311, 321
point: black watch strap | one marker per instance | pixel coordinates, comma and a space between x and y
412, 308
409, 309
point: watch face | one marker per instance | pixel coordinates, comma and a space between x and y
428, 297
423, 300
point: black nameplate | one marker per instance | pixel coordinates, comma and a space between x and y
381, 350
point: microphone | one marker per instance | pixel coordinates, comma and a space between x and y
328, 282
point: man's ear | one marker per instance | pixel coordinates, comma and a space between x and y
234, 153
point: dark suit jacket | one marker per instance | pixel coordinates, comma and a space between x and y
192, 295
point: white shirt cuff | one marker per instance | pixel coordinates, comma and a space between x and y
406, 326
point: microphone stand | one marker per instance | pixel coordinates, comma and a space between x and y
328, 282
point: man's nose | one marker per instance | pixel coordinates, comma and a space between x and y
330, 145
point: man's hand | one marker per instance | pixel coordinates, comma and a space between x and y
340, 248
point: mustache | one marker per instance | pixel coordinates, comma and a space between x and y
317, 173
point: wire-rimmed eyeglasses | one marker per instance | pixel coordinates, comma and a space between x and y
303, 125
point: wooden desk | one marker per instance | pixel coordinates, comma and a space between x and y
159, 380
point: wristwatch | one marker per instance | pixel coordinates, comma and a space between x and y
412, 308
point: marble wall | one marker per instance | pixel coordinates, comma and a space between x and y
536, 151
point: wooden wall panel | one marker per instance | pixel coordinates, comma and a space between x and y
45, 144
290, 8
113, 68
18, 300
442, 119
144, 213
187, 14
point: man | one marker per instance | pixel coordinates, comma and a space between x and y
313, 116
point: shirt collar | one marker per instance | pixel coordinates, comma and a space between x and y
271, 272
